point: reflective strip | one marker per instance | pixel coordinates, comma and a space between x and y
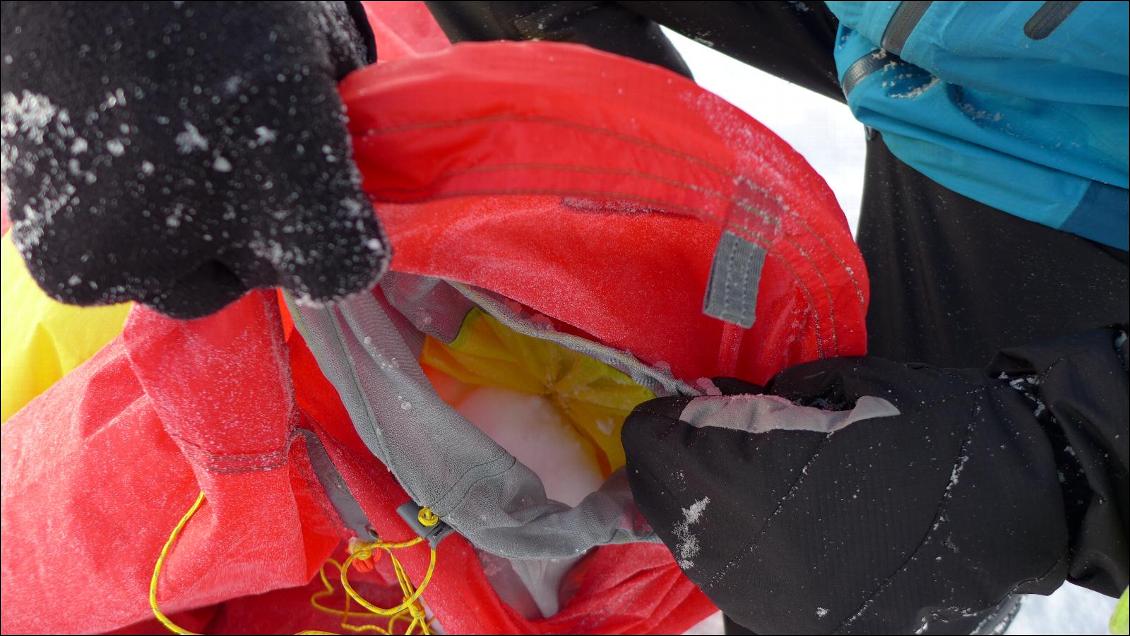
338, 493
1048, 18
731, 292
863, 67
764, 413
903, 21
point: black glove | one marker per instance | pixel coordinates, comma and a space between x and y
983, 485
182, 153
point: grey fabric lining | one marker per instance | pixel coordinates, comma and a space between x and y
902, 23
764, 413
731, 292
442, 460
432, 305
338, 493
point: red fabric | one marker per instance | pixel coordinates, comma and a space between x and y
99, 468
593, 189
590, 188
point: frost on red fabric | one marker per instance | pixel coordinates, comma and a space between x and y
485, 194
589, 188
98, 469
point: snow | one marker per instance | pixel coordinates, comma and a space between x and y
687, 546
531, 429
264, 135
833, 142
29, 114
190, 139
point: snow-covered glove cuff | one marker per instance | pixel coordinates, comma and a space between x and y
872, 521
181, 153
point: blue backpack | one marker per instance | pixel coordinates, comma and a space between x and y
1019, 105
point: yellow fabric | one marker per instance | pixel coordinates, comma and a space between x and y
1120, 621
42, 339
592, 396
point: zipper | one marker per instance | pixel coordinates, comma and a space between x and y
902, 23
1048, 18
863, 67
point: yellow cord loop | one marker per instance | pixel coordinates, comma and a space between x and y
427, 518
410, 611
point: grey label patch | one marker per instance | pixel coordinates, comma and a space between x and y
731, 292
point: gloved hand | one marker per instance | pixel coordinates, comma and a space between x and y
182, 153
985, 483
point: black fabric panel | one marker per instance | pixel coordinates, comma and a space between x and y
601, 25
953, 280
792, 40
1081, 396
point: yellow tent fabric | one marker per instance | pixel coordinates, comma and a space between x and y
592, 396
42, 339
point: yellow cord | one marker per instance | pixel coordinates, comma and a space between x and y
426, 517
410, 608
411, 596
170, 625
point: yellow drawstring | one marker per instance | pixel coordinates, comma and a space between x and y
410, 608
410, 604
170, 625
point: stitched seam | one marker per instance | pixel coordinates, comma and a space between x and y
233, 463
638, 141
751, 545
939, 512
759, 241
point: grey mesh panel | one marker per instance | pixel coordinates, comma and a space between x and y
432, 305
442, 460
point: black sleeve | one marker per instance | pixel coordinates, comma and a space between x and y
1077, 387
601, 25
792, 40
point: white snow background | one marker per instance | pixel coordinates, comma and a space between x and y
832, 141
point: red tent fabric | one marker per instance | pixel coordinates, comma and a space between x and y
588, 187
